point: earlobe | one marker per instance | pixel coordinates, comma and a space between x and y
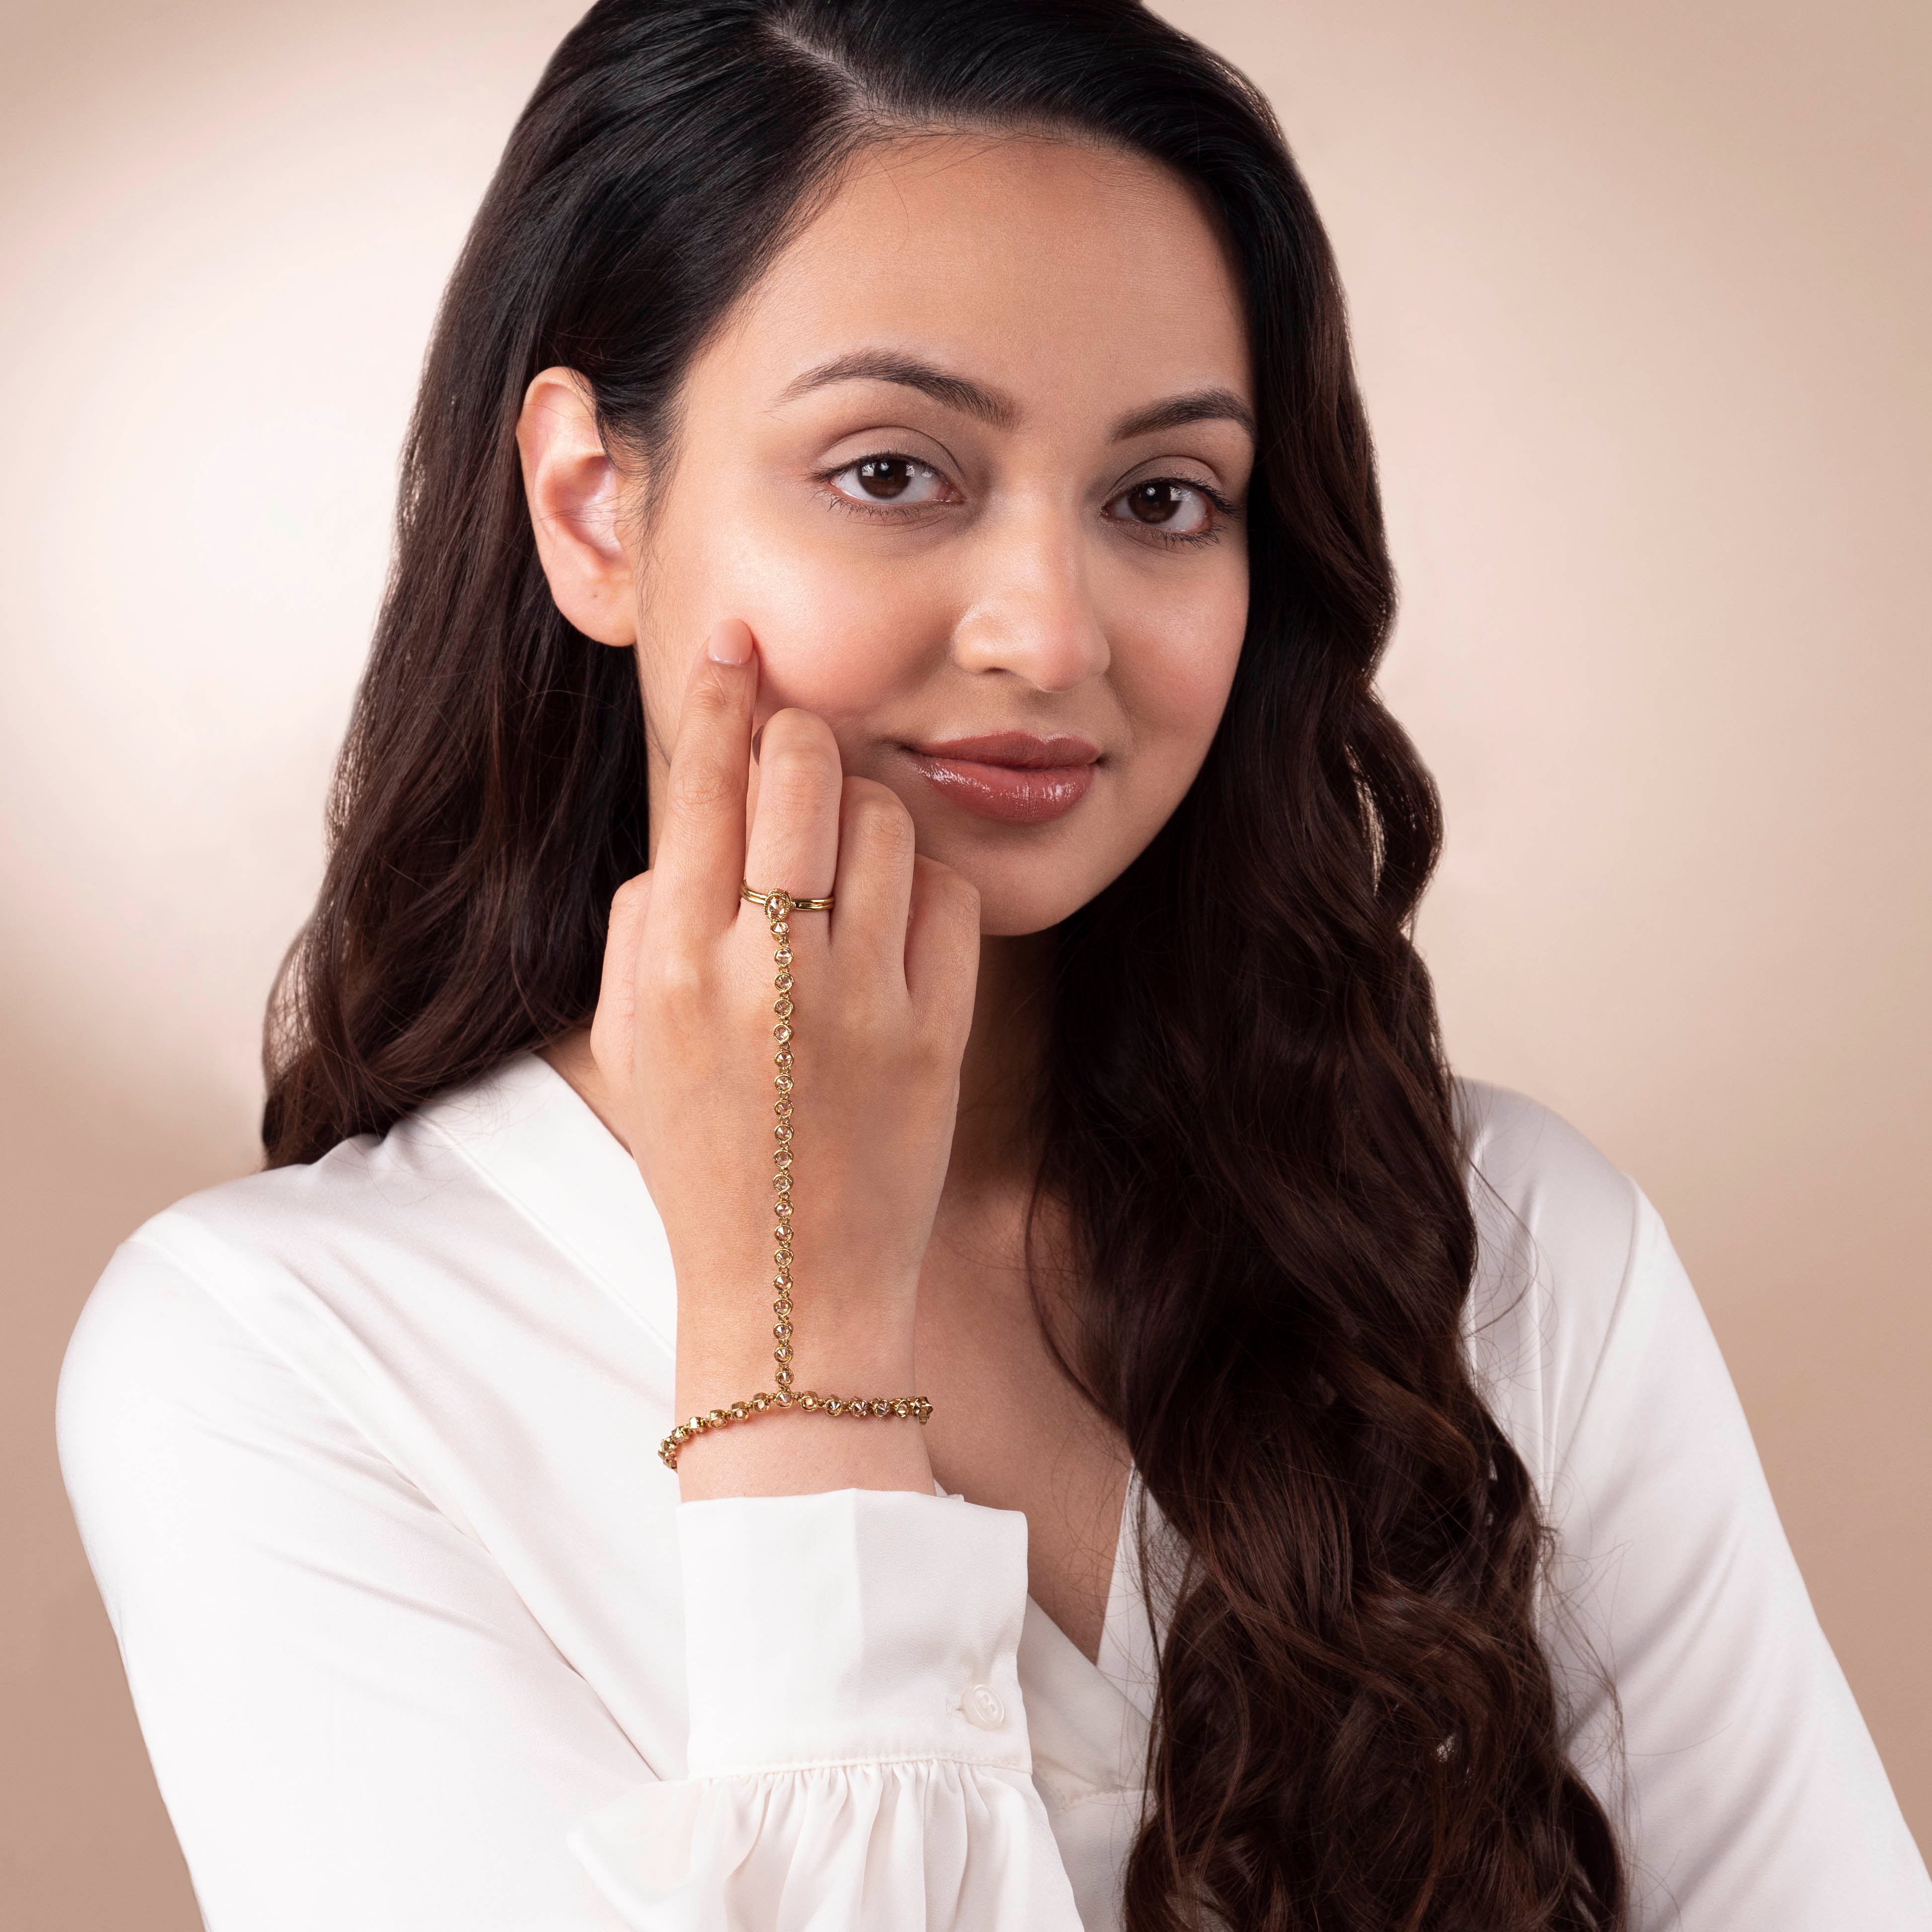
573, 488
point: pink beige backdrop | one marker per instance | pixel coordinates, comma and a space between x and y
1641, 294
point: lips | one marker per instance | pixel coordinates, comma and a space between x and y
1011, 776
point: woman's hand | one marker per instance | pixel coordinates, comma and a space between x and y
883, 994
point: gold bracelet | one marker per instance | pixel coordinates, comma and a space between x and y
778, 908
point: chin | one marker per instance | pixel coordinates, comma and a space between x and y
1011, 907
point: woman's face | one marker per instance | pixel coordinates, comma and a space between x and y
970, 460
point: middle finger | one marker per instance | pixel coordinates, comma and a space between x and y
793, 846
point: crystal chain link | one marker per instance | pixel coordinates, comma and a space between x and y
778, 908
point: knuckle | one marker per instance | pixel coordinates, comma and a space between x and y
876, 816
709, 698
864, 1011
933, 1053
630, 894
861, 793
798, 748
678, 981
697, 787
794, 771
951, 896
960, 892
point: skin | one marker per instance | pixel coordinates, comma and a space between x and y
796, 632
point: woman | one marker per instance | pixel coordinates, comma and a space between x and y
1274, 1485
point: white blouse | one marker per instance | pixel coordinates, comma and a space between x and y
364, 1457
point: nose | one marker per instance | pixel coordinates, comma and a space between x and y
1031, 611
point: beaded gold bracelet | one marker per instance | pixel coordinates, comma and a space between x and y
778, 908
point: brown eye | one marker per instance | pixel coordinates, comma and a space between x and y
903, 482
885, 476
1170, 504
1155, 502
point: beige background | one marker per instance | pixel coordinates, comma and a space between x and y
1641, 292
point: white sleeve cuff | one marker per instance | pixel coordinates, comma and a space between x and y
857, 1625
858, 1758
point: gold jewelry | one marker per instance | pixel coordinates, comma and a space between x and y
778, 908
758, 898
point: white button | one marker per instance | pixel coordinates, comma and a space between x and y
982, 1707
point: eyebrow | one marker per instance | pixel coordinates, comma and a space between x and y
1200, 405
882, 365
1001, 411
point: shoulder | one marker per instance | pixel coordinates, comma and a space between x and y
256, 1265
391, 1206
508, 1179
382, 1295
1572, 1258
1529, 1166
169, 1413
212, 1353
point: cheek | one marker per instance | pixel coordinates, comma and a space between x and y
837, 632
1173, 669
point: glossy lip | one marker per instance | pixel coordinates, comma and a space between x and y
1010, 776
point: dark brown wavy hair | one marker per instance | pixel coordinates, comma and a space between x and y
1246, 1114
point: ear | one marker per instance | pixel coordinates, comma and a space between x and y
571, 486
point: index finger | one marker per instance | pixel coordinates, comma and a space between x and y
699, 861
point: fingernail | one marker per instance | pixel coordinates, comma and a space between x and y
730, 642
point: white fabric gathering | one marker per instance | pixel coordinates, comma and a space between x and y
420, 1636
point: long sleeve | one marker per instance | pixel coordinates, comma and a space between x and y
858, 1753
354, 1721
357, 1719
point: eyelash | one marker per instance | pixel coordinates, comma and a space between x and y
1224, 510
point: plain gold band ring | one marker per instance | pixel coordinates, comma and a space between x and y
746, 890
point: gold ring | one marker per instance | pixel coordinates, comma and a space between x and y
746, 890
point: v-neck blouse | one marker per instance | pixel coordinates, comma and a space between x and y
420, 1636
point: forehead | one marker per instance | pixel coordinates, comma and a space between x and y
1072, 277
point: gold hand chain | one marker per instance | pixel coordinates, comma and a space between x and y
778, 908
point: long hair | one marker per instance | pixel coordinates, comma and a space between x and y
1247, 1117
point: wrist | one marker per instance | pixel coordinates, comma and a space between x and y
833, 1430
788, 1452
727, 1337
